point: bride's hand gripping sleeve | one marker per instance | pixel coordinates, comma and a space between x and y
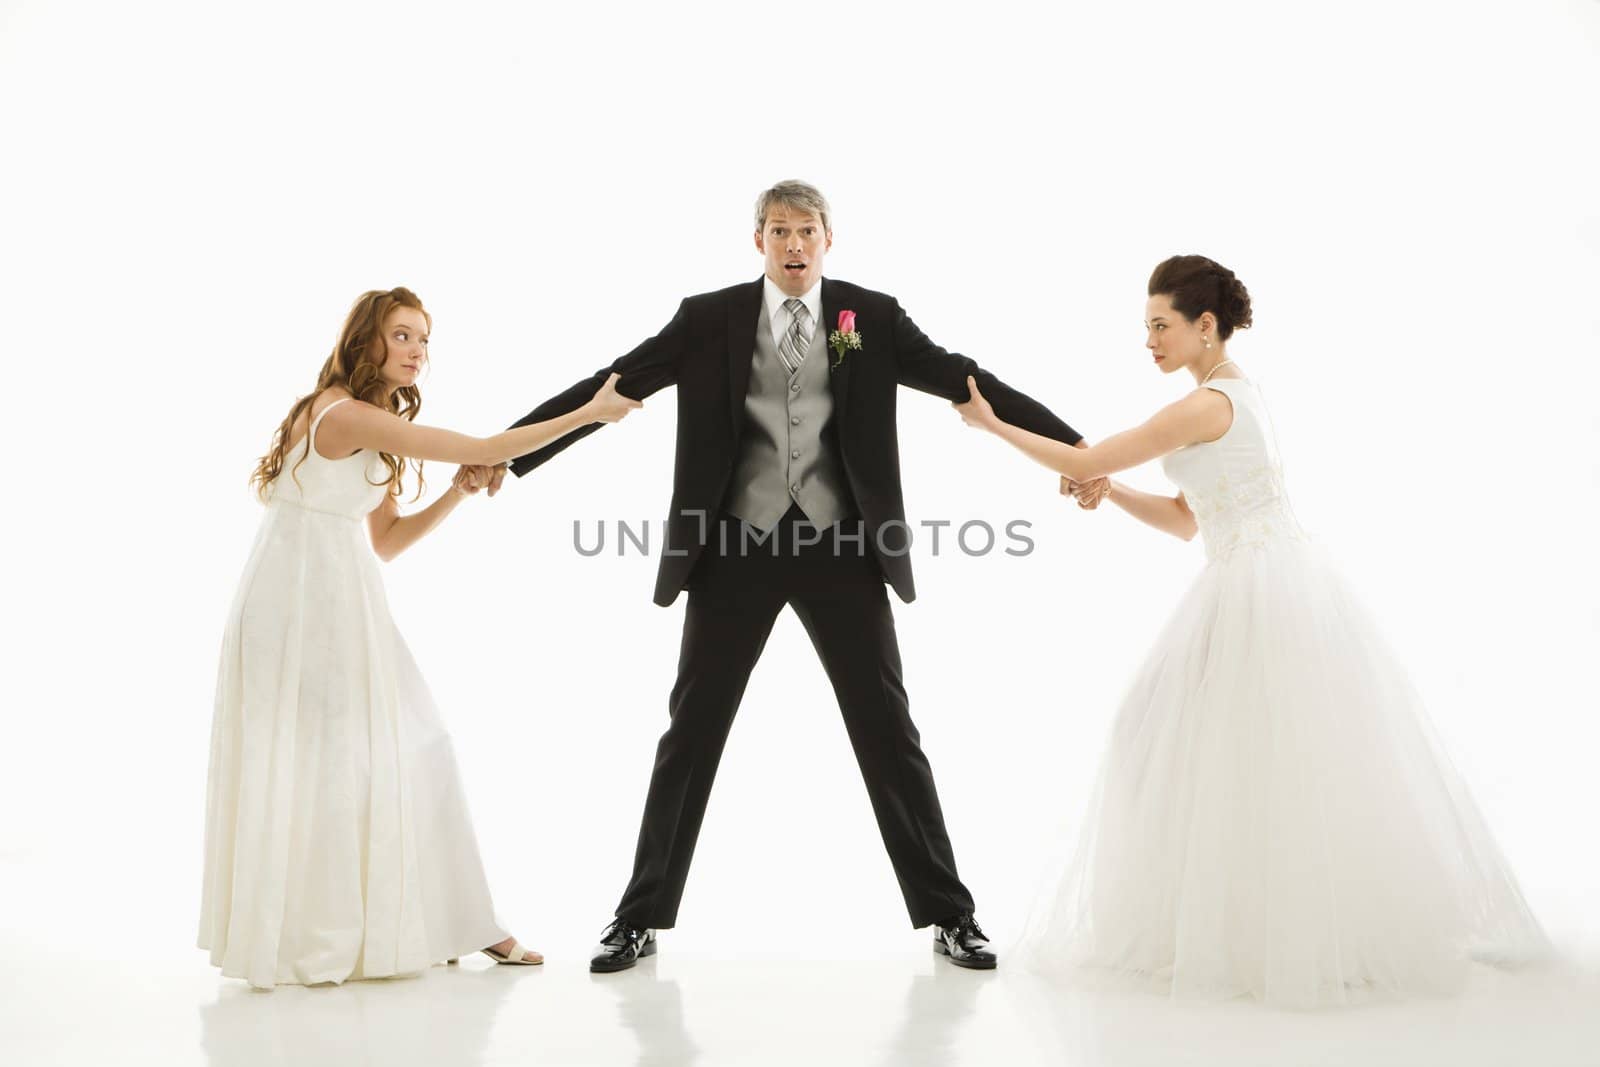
648, 369
929, 368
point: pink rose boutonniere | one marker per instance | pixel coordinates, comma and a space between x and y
845, 337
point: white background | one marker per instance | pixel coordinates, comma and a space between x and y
193, 194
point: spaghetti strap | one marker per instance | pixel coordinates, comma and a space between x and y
311, 433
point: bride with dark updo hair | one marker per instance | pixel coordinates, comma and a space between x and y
1274, 816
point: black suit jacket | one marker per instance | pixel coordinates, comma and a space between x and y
706, 351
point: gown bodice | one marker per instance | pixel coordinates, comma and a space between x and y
1234, 485
341, 487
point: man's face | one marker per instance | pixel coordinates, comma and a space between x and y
793, 243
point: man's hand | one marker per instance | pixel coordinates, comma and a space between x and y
497, 474
1088, 494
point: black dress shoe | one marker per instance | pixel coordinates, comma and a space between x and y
964, 942
621, 946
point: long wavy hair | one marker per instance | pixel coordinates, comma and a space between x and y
354, 364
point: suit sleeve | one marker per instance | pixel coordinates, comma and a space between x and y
925, 366
648, 369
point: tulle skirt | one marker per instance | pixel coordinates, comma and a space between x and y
1274, 817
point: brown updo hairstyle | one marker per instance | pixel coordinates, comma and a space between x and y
1196, 285
354, 364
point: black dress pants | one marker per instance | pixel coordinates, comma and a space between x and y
737, 589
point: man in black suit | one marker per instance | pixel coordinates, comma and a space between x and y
787, 492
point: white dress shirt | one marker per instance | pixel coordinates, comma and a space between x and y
779, 315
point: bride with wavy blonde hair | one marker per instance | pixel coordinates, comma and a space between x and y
337, 841
350, 368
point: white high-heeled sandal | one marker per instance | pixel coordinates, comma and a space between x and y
514, 958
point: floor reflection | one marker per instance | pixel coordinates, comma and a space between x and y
926, 1013
441, 1017
939, 1008
1546, 1019
650, 1008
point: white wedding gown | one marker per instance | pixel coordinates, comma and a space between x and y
337, 842
1273, 816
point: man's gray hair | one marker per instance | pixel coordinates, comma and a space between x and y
798, 196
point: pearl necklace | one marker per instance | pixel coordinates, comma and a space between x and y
1214, 370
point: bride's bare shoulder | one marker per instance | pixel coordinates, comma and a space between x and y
330, 395
318, 405
1202, 415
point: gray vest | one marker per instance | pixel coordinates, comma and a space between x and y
784, 454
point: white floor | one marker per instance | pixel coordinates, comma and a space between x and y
676, 1009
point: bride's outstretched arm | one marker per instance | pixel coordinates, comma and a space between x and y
1169, 514
352, 426
392, 533
1195, 418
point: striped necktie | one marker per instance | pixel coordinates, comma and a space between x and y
797, 338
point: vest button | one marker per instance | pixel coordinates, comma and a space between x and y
795, 454
794, 420
795, 488
795, 388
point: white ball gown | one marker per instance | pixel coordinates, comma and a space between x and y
1273, 816
337, 841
